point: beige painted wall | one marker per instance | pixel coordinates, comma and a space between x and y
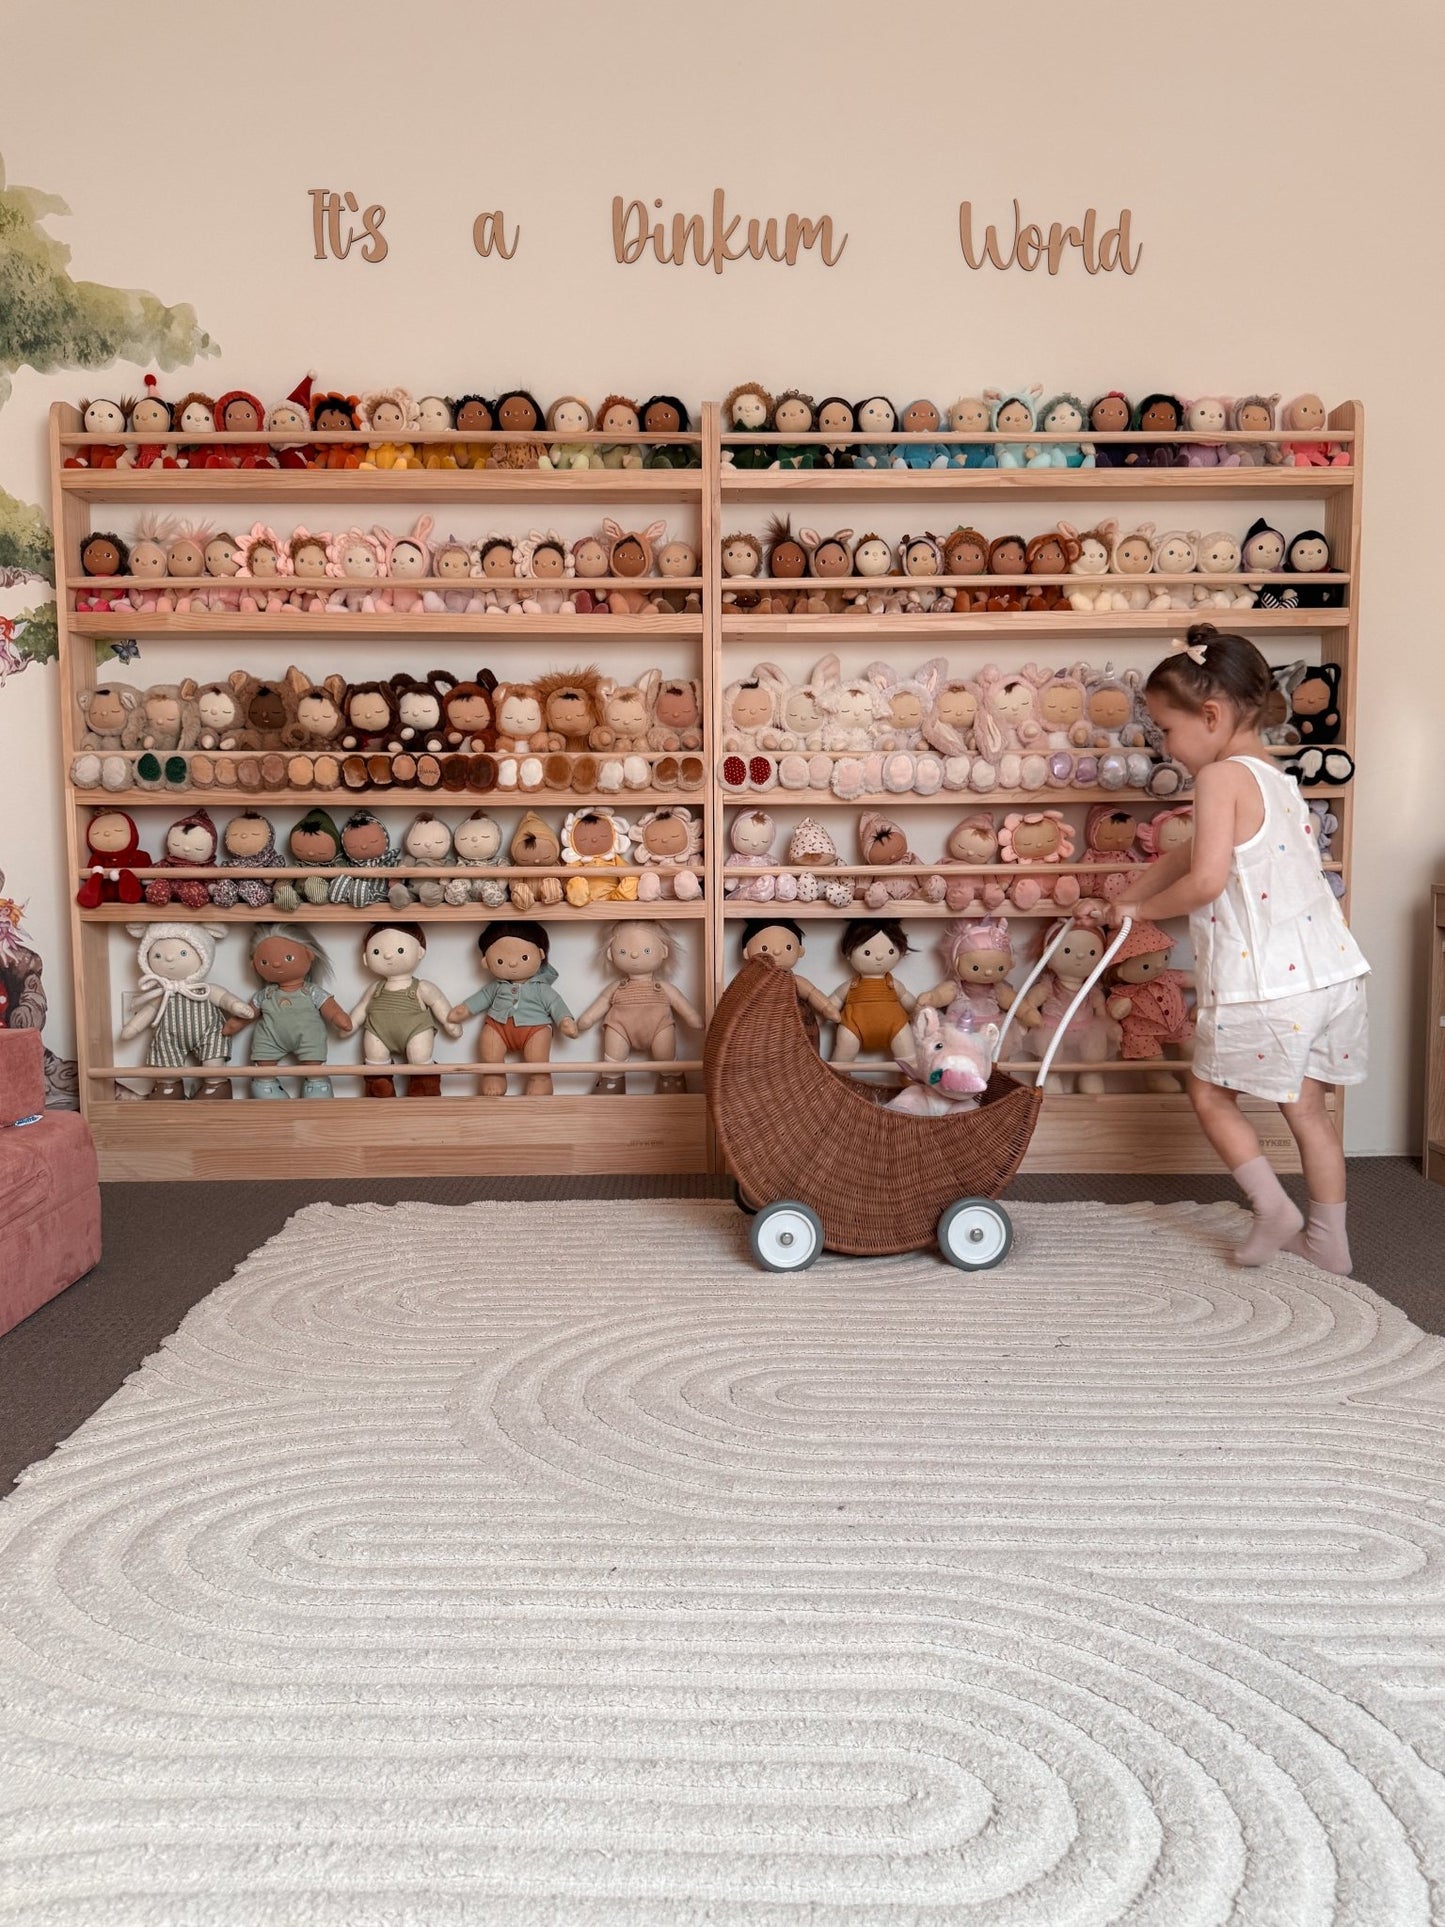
1284, 165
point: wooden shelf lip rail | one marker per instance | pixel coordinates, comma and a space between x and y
795, 585
397, 793
419, 437
385, 625
961, 625
777, 798
666, 909
545, 585
434, 873
152, 1073
1001, 482
360, 485
984, 437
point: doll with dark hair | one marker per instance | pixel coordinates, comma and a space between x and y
666, 415
518, 413
520, 1004
330, 413
875, 1009
835, 417
1157, 415
474, 415
778, 942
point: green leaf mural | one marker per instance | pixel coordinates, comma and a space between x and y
26, 550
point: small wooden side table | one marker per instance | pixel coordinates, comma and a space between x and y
1434, 1159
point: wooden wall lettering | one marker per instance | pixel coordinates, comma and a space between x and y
1101, 253
489, 235
329, 235
707, 240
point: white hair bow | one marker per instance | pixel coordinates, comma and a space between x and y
1194, 650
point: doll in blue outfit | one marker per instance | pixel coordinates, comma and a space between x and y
520, 1005
1016, 414
920, 418
971, 415
1064, 415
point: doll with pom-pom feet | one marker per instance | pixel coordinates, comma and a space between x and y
641, 1011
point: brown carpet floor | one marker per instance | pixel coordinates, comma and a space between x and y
167, 1245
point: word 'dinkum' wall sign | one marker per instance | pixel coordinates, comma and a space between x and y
716, 237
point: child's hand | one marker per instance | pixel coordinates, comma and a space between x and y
1123, 910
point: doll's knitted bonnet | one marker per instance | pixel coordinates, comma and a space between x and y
811, 843
202, 937
1143, 940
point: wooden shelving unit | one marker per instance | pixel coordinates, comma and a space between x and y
1124, 1130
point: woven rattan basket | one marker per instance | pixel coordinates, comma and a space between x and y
790, 1126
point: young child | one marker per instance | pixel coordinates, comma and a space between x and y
1280, 979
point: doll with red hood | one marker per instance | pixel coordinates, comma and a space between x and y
113, 843
149, 415
1146, 999
238, 412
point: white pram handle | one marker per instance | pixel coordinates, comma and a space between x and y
1065, 924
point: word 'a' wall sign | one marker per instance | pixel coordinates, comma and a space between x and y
715, 238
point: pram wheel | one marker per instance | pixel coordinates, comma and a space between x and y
741, 1202
975, 1234
786, 1236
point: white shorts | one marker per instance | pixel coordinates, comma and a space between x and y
1268, 1050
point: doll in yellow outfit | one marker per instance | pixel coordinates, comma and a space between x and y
390, 412
876, 1008
592, 840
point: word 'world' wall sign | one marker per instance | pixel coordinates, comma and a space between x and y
715, 238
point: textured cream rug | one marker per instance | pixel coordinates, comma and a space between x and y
548, 1565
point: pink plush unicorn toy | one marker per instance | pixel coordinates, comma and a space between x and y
950, 1066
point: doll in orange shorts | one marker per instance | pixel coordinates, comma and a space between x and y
876, 1008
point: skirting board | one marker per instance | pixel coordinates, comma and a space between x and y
522, 1136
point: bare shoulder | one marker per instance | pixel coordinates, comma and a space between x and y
1219, 780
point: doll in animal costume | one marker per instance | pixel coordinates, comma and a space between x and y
1052, 553
666, 415
333, 413
460, 594
544, 559
1146, 999
778, 942
630, 556
165, 721
971, 415
314, 841
1093, 1036
435, 415
535, 846
619, 415
569, 418
747, 408
317, 727
390, 413
1305, 416
420, 703
1064, 415
921, 557
593, 840
965, 552
247, 843
1016, 414
1315, 715
476, 848
399, 1013
112, 844
1176, 552
190, 845
1254, 414
1209, 415
665, 838
874, 558
1009, 731
752, 834
367, 849
875, 1007
1219, 555
520, 1005
1134, 556
977, 957
294, 1007
676, 714
190, 1019
1036, 838
408, 559
521, 736
830, 557
426, 844
1308, 554
642, 1010
572, 708
1119, 736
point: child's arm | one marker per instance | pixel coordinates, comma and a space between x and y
1217, 793
1159, 875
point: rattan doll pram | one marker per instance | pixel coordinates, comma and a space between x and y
820, 1162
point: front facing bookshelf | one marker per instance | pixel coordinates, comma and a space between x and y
1127, 1128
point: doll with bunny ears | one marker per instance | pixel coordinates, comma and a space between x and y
409, 559
629, 556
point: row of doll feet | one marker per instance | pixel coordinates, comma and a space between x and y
904, 772
492, 893
456, 773
963, 896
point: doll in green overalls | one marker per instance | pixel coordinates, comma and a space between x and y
400, 1014
294, 1007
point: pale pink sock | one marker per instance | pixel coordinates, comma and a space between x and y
1276, 1219
1323, 1241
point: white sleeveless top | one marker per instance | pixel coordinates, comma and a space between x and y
1277, 929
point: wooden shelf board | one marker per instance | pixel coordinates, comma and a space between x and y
401, 1137
362, 486
966, 799
999, 625
359, 628
372, 798
1001, 484
668, 910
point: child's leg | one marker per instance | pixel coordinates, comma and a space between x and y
1323, 1241
1276, 1218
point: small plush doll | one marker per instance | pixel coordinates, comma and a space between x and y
571, 706
104, 712
596, 840
907, 763
875, 416
1015, 414
475, 415
836, 417
1147, 1000
569, 418
971, 415
400, 1014
590, 563
186, 564
148, 563
785, 559
666, 415
1254, 415
196, 415
390, 413
947, 1067
317, 728
1263, 554
315, 840
1095, 547
477, 845
883, 845
965, 552
977, 958
223, 564
972, 847
741, 560
677, 562
262, 568
874, 558
1119, 736
751, 835
308, 553
830, 557
1110, 836
190, 1019
1308, 554
535, 846
1326, 826
240, 413
460, 594
1093, 1036
1176, 552
676, 714
1052, 553
1007, 558
103, 554
359, 560
1064, 415
630, 556
435, 415
812, 850
518, 413
778, 942
333, 413
1305, 416
267, 712
1133, 555
1110, 414
544, 561
148, 415
661, 840
920, 418
496, 564
1208, 415
367, 849
294, 1007
1167, 830
852, 708
1038, 839
1219, 555
642, 1010
163, 724
100, 418
521, 735
112, 844
426, 844
409, 560
371, 724
625, 717
520, 1006
1063, 702
875, 1008
1315, 705
1009, 730
1157, 415
920, 557
794, 413
190, 845
420, 704
247, 843
291, 419
949, 727
619, 415
469, 719
747, 409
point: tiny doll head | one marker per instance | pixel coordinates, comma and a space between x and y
1014, 414
920, 555
969, 415
1110, 832
974, 839
1110, 414
196, 414
218, 707
590, 558
1062, 700
742, 554
497, 558
777, 941
752, 833
390, 950
434, 415
111, 833
569, 415
287, 418
880, 839
618, 416
453, 560
787, 557
665, 415
1253, 414
1143, 953
1263, 547
149, 415
1167, 831
389, 412
977, 950
475, 414
308, 555
176, 953
1158, 414
427, 839
1063, 415
534, 843
670, 834
1207, 415
370, 708
103, 417
331, 413
965, 552
748, 406
148, 551
677, 561
192, 839
871, 946
637, 949
186, 555
514, 951
285, 953
920, 418
318, 710
593, 834
793, 413
1175, 553
469, 706
1036, 836
364, 838
630, 550
222, 555
873, 556
1218, 554
1305, 414
876, 416
811, 845
1077, 957
831, 555
104, 554
1007, 555
518, 413
247, 836
1308, 553
1049, 554
478, 838
677, 705
835, 416
1134, 553
1205, 691
239, 413
315, 839
411, 554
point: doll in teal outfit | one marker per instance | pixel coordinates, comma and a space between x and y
294, 1006
1016, 414
519, 1006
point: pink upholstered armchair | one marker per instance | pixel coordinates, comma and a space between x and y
49, 1189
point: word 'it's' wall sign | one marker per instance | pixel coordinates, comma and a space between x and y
640, 231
